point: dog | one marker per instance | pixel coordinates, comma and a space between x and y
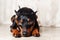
24, 23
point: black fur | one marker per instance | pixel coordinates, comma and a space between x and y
29, 13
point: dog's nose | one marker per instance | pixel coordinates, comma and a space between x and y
24, 33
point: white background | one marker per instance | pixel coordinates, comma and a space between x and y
48, 10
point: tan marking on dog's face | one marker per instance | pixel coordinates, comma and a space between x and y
20, 21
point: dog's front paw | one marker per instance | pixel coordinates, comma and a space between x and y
17, 36
35, 33
16, 33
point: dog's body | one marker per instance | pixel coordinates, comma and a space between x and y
24, 23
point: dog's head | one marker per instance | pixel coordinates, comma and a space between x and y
25, 20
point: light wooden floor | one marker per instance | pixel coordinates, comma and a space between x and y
46, 34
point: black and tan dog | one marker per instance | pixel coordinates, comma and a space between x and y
24, 23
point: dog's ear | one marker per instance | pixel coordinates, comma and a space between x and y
19, 7
35, 12
15, 11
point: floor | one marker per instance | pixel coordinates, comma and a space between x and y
47, 33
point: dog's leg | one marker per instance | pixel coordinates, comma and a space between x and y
13, 27
16, 33
36, 32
